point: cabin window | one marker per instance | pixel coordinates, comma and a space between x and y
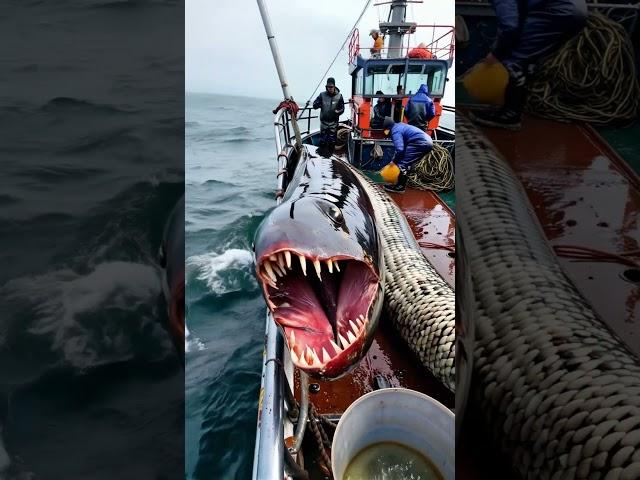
388, 77
385, 78
359, 81
433, 75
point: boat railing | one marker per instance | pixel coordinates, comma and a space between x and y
284, 130
441, 46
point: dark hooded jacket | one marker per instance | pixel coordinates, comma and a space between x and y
380, 110
420, 108
331, 107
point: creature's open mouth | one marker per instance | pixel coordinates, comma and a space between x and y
322, 304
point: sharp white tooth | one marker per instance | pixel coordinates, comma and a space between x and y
267, 267
337, 266
303, 361
281, 261
343, 341
354, 327
358, 321
316, 263
303, 264
325, 355
277, 270
287, 257
315, 357
294, 357
292, 338
336, 347
350, 336
330, 266
273, 258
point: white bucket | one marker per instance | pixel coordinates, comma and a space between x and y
396, 415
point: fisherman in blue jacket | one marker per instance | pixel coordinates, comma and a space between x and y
411, 145
420, 108
528, 31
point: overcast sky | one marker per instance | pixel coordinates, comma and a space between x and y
227, 50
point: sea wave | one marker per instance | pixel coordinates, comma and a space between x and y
89, 317
226, 272
192, 343
61, 104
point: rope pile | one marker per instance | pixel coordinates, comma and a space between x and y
591, 79
342, 135
434, 171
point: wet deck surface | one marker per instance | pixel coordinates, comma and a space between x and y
433, 225
584, 195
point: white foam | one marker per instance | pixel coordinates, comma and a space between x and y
192, 343
211, 265
62, 299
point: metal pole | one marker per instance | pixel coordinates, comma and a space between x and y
266, 21
269, 451
398, 15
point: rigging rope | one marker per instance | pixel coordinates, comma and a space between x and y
591, 79
434, 171
366, 5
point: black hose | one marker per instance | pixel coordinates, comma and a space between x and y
292, 468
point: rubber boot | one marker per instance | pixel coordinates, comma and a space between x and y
401, 184
509, 116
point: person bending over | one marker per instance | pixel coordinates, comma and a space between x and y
528, 31
411, 144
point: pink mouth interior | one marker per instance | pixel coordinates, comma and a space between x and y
306, 308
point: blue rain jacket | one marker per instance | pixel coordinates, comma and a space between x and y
420, 108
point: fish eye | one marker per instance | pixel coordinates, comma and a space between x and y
335, 214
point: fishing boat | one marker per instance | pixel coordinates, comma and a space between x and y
581, 185
292, 405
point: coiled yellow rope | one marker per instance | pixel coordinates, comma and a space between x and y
591, 79
434, 171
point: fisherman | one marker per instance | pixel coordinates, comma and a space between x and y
420, 51
378, 43
411, 144
397, 105
381, 110
331, 105
528, 30
420, 108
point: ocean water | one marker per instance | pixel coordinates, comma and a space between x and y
230, 183
91, 142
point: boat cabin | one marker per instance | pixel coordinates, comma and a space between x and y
398, 74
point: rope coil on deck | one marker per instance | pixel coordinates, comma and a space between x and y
557, 392
591, 79
435, 171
